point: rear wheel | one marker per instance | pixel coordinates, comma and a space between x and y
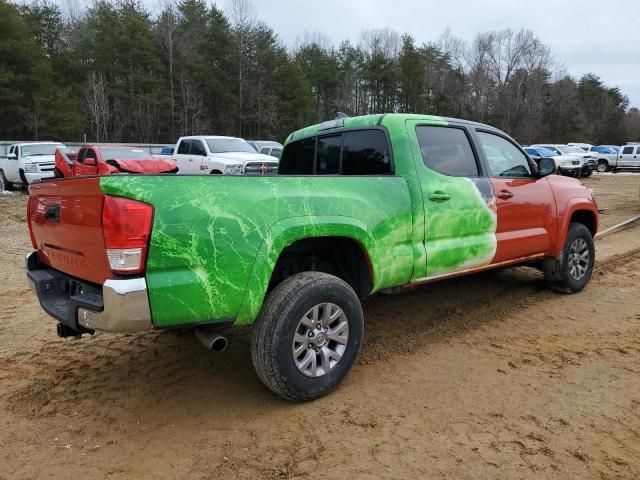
603, 166
571, 270
587, 173
308, 336
4, 183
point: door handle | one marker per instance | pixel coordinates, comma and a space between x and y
439, 196
504, 194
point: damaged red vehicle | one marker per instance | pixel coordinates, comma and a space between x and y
109, 159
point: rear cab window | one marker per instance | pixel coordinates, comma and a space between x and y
183, 148
627, 150
350, 152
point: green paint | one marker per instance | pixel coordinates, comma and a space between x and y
216, 239
213, 236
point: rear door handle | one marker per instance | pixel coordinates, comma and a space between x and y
439, 196
504, 194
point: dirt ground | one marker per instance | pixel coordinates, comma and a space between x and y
490, 376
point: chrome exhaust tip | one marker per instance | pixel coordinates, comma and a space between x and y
211, 340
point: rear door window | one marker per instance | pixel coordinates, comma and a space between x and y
297, 158
627, 150
447, 150
366, 152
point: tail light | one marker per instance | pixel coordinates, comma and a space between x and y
31, 205
126, 226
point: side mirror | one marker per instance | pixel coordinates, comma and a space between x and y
547, 166
12, 156
90, 162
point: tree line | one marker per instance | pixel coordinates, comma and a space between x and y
118, 72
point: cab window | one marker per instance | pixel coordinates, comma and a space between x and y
627, 150
503, 157
197, 148
447, 150
183, 148
353, 152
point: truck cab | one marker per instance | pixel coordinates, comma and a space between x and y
26, 163
216, 155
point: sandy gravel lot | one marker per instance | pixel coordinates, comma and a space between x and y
491, 376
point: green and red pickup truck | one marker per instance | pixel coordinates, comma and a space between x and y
359, 206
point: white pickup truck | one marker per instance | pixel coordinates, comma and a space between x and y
196, 155
26, 163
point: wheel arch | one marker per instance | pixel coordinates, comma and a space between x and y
300, 234
578, 210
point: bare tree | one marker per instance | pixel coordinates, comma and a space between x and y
97, 102
243, 16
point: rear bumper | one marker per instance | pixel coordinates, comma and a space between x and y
117, 306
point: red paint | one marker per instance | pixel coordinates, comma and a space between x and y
534, 214
527, 217
74, 244
72, 167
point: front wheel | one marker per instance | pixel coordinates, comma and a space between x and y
571, 270
308, 336
602, 166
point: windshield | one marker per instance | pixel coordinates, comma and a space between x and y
124, 153
545, 152
564, 149
576, 150
224, 145
39, 149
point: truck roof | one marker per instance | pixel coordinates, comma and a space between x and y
205, 137
381, 119
20, 144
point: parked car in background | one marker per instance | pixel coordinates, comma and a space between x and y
109, 159
26, 163
258, 145
585, 147
565, 150
606, 157
629, 157
565, 164
272, 151
589, 160
217, 155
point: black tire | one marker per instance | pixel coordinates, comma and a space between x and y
558, 270
603, 166
279, 320
587, 173
4, 183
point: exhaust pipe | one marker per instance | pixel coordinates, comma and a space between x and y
211, 340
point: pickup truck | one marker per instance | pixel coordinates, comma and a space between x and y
108, 159
217, 155
362, 205
26, 163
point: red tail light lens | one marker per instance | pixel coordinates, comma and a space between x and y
126, 226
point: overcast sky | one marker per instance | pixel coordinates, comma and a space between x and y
602, 37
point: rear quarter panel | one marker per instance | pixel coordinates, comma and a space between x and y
215, 239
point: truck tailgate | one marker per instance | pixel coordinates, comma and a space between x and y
65, 218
